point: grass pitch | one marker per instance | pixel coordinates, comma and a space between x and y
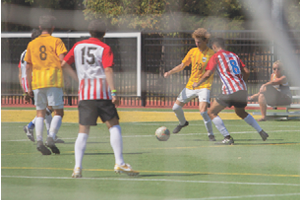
187, 166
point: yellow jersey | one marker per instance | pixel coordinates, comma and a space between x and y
43, 53
198, 60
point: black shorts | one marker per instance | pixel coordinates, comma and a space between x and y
90, 110
237, 99
276, 98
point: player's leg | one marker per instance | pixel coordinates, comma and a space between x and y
28, 129
213, 112
55, 99
203, 96
41, 104
185, 96
251, 121
48, 119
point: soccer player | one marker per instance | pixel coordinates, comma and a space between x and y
233, 74
45, 81
28, 129
198, 57
97, 95
276, 92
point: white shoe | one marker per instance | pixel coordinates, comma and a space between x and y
126, 168
77, 173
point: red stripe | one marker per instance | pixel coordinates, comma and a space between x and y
81, 89
101, 91
227, 70
95, 88
89, 89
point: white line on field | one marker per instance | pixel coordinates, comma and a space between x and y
245, 196
155, 180
183, 134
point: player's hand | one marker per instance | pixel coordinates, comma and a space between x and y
115, 100
30, 93
166, 74
195, 85
27, 98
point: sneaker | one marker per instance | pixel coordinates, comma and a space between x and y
41, 147
228, 140
58, 140
50, 143
212, 138
179, 127
76, 173
263, 135
126, 168
29, 132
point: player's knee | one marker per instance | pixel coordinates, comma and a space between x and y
176, 107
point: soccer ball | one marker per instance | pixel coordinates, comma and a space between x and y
162, 133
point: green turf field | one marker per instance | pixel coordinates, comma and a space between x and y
187, 166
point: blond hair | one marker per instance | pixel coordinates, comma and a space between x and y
278, 63
201, 33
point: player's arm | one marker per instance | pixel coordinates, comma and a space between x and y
68, 70
29, 78
246, 73
109, 73
205, 76
176, 69
277, 81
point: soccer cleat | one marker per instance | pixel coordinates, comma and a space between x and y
77, 173
41, 147
179, 127
263, 135
58, 140
50, 143
228, 140
126, 168
29, 133
212, 138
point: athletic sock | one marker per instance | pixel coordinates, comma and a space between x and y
116, 143
39, 127
54, 126
79, 148
179, 113
31, 124
48, 119
220, 126
252, 122
207, 123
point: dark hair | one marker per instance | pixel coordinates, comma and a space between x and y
35, 33
47, 22
97, 28
219, 42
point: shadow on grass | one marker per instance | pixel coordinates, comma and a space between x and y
169, 174
87, 143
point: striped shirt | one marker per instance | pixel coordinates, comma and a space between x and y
22, 65
91, 57
228, 66
43, 53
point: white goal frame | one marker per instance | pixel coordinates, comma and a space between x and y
136, 35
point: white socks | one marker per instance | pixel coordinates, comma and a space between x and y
39, 128
207, 123
220, 126
252, 122
54, 126
48, 119
179, 113
116, 143
79, 149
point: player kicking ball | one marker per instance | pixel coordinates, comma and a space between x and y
233, 74
97, 95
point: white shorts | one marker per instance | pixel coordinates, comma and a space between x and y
51, 96
186, 95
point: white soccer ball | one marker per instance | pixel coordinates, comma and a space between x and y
162, 133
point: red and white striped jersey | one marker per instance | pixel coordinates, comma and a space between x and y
228, 66
22, 65
91, 57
